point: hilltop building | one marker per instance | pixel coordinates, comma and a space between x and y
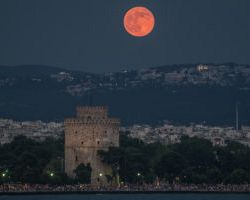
202, 68
90, 131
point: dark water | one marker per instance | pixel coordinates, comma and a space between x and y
133, 197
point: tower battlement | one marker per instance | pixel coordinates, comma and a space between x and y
85, 121
92, 112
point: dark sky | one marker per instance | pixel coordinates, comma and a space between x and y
89, 34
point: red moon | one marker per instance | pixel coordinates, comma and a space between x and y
139, 21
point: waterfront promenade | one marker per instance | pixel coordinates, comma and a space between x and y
145, 188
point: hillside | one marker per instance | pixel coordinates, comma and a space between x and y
179, 93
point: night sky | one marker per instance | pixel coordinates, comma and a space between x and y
88, 35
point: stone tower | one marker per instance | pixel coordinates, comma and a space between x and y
89, 132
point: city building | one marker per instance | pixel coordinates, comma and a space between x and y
35, 130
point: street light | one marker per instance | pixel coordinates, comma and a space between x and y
100, 174
51, 174
3, 175
138, 174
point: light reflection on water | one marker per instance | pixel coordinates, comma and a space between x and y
132, 197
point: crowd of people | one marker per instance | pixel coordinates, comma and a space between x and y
34, 188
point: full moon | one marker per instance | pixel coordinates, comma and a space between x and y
139, 21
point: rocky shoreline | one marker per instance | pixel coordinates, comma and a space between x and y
24, 189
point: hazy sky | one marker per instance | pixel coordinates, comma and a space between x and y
89, 34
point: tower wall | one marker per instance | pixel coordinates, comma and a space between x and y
89, 132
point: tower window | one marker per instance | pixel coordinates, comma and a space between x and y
82, 142
76, 158
98, 142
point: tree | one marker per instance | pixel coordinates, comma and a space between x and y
193, 160
214, 175
171, 166
239, 176
113, 158
83, 173
27, 168
198, 152
27, 159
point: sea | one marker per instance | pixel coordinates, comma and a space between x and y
131, 197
